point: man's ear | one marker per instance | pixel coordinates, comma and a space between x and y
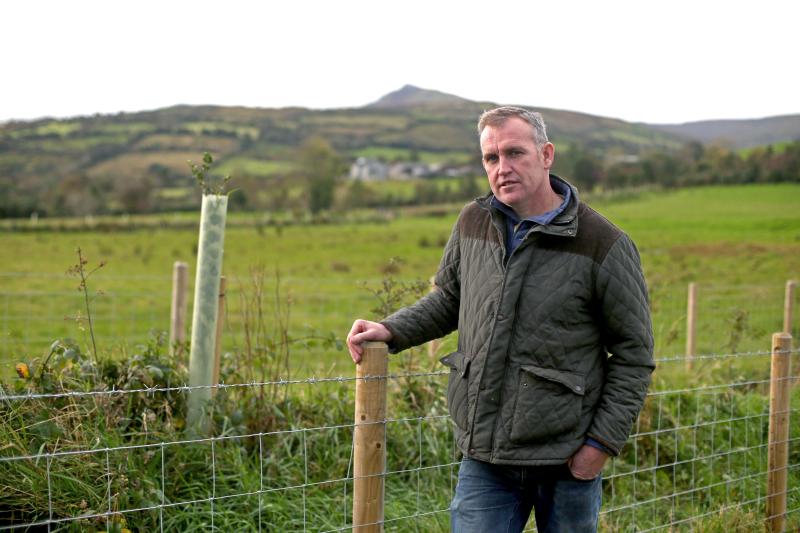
548, 154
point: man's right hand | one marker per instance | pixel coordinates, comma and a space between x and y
363, 331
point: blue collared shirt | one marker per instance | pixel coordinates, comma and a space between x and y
517, 229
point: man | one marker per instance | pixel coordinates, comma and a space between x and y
555, 341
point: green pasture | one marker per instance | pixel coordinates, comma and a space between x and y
64, 145
631, 137
697, 457
245, 166
67, 129
201, 127
129, 128
142, 163
405, 190
371, 120
740, 244
196, 142
388, 153
778, 148
61, 129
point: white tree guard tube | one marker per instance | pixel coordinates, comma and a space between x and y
204, 317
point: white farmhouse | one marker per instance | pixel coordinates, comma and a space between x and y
368, 170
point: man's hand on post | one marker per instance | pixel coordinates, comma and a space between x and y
363, 331
587, 462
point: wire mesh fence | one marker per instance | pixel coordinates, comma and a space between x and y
697, 458
102, 447
281, 455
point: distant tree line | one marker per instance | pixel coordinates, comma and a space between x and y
317, 184
694, 164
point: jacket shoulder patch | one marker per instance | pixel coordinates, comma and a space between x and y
595, 237
475, 223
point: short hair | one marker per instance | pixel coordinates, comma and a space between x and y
499, 115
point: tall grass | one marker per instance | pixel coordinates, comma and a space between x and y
287, 464
280, 454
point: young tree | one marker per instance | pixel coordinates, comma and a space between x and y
359, 195
321, 167
468, 187
134, 193
76, 194
587, 171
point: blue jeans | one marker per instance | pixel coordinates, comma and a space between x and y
499, 498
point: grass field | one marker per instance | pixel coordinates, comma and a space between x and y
740, 244
255, 167
404, 154
697, 458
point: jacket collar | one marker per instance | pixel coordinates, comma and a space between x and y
564, 225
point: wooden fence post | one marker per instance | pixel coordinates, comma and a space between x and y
691, 323
788, 307
369, 436
177, 315
218, 341
433, 346
778, 451
788, 315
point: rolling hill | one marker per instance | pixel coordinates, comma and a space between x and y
77, 164
738, 133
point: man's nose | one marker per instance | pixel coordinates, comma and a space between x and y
503, 166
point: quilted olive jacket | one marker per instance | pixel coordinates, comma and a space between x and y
555, 345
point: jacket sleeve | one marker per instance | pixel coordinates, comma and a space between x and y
628, 337
436, 314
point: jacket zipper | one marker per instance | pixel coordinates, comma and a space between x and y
504, 265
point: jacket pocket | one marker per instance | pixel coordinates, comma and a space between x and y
457, 385
548, 404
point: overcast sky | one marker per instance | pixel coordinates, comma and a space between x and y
664, 62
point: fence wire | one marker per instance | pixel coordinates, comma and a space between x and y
696, 458
75, 457
36, 308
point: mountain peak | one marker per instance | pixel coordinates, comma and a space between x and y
411, 95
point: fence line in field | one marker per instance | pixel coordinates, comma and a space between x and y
664, 478
29, 323
342, 379
49, 456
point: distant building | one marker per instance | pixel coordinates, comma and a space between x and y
463, 170
374, 170
368, 170
407, 170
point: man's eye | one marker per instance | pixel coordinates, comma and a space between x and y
490, 158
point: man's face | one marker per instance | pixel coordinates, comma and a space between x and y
517, 169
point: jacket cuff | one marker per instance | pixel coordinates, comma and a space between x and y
397, 343
604, 445
599, 445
